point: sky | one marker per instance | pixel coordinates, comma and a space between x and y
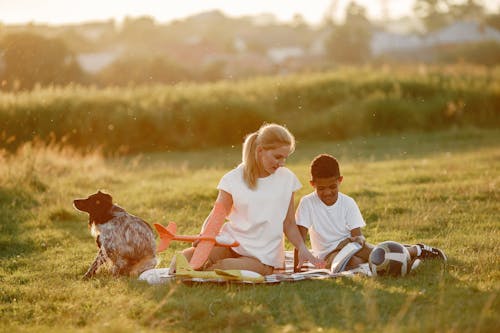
70, 11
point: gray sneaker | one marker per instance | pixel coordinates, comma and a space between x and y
429, 252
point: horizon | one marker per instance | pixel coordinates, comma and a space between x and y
61, 12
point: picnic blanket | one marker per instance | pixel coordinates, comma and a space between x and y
284, 274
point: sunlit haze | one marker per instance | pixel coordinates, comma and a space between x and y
313, 11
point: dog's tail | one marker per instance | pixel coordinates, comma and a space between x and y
166, 235
143, 265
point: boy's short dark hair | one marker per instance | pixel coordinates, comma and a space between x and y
324, 166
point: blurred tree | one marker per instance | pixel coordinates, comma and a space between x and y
298, 21
141, 35
493, 20
30, 59
436, 14
350, 42
329, 16
134, 70
137, 29
213, 71
482, 53
256, 45
469, 10
75, 41
433, 13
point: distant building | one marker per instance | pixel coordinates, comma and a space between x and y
386, 42
280, 54
457, 33
463, 32
96, 61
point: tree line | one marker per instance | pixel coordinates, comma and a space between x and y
28, 58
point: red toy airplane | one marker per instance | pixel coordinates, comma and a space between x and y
207, 238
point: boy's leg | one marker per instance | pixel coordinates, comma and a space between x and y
364, 253
241, 262
329, 257
429, 252
360, 257
422, 251
354, 262
412, 249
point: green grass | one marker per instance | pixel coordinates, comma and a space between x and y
440, 188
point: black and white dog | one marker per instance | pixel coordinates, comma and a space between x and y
125, 240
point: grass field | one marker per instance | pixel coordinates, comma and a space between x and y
439, 188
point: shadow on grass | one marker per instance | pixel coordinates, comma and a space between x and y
79, 243
342, 304
393, 304
15, 206
72, 222
399, 146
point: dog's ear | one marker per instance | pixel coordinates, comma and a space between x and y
102, 200
105, 197
100, 207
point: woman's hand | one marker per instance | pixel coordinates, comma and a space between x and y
306, 255
293, 234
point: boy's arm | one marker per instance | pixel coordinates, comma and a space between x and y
357, 236
355, 219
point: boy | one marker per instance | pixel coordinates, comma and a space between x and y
334, 219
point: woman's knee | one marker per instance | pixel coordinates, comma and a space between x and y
219, 253
188, 253
243, 263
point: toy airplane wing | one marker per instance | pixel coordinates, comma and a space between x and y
166, 235
207, 242
240, 275
183, 269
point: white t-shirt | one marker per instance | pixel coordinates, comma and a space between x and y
256, 219
328, 225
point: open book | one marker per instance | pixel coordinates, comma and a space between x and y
338, 265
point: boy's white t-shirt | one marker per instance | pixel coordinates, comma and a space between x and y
256, 219
328, 225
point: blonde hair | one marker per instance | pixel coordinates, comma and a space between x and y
269, 136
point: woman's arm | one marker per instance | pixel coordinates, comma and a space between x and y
294, 236
303, 231
225, 200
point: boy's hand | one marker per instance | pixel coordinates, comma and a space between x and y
358, 239
306, 255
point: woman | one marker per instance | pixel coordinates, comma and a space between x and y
258, 199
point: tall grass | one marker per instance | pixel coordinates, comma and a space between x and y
332, 105
440, 188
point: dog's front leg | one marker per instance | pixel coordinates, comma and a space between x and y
99, 260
